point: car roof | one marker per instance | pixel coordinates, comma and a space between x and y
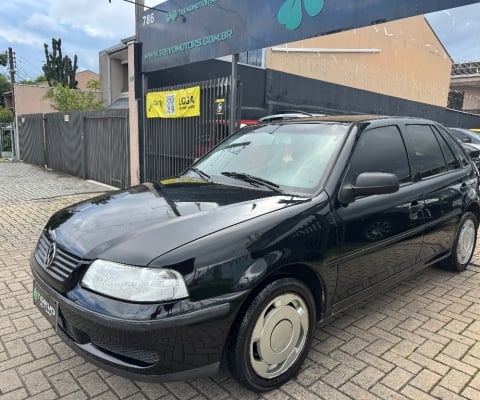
354, 118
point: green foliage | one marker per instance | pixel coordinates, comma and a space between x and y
6, 116
59, 69
93, 84
5, 86
3, 60
65, 99
36, 81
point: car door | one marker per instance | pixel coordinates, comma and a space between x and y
381, 235
444, 179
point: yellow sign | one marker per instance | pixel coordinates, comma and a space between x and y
174, 104
220, 106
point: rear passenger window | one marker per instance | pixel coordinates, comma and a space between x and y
452, 162
429, 159
380, 150
457, 148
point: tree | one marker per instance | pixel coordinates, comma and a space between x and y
65, 99
5, 86
93, 84
3, 60
6, 116
58, 69
36, 81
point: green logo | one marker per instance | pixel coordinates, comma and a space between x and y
36, 295
291, 13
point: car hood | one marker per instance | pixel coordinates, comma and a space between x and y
138, 224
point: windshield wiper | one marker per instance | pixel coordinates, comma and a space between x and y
253, 180
242, 144
200, 173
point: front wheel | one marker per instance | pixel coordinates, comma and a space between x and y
273, 336
464, 244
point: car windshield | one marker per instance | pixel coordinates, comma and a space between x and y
461, 133
290, 157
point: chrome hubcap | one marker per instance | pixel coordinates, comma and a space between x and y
279, 335
466, 242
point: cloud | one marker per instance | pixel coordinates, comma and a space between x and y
16, 35
458, 31
85, 26
98, 19
43, 23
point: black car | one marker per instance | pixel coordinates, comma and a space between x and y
280, 226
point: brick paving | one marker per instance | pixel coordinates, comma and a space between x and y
419, 340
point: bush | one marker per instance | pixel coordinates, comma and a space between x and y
6, 116
66, 99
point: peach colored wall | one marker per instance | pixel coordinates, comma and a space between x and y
471, 88
471, 101
84, 76
133, 119
471, 98
29, 100
411, 64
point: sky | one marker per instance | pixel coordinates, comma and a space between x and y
88, 26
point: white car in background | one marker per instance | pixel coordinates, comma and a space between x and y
466, 136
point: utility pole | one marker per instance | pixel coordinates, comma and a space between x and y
11, 68
139, 7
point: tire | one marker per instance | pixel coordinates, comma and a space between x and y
464, 244
273, 336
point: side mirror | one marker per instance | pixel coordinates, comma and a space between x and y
369, 183
474, 153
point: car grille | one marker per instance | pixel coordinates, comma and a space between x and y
140, 357
64, 266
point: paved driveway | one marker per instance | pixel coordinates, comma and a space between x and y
420, 340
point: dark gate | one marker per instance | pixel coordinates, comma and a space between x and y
172, 144
107, 131
91, 145
63, 142
31, 139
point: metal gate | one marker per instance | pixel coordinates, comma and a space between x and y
107, 131
91, 145
7, 140
172, 144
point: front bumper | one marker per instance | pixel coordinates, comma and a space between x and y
177, 347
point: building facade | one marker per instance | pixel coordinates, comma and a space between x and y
402, 58
465, 87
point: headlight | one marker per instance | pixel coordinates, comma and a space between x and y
137, 284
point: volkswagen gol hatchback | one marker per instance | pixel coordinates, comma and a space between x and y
232, 263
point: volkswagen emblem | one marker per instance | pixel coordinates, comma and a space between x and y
49, 257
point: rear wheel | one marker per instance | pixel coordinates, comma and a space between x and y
464, 244
273, 336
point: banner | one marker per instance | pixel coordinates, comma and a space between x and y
179, 32
174, 104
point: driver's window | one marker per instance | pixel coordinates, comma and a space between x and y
380, 150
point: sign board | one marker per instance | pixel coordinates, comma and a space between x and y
220, 106
189, 31
174, 103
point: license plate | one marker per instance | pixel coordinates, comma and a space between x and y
47, 306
